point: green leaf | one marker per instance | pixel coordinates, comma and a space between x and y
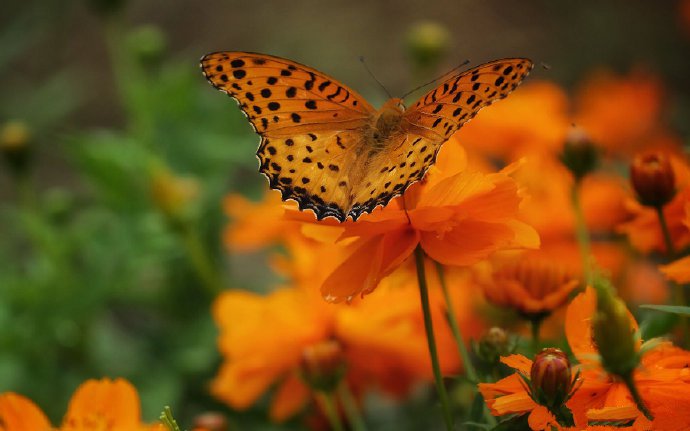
675, 309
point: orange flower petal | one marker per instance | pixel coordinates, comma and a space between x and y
371, 260
678, 271
103, 404
289, 399
518, 362
541, 419
18, 413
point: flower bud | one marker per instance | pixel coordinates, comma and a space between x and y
14, 143
172, 195
579, 154
613, 332
494, 344
551, 377
653, 179
323, 365
148, 43
427, 42
211, 421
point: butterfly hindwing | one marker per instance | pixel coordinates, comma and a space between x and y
314, 169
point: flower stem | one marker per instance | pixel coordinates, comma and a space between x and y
641, 406
431, 341
354, 416
536, 327
455, 328
670, 250
327, 401
470, 372
582, 234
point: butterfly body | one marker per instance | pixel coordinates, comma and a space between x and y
327, 148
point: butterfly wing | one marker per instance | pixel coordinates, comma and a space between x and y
311, 126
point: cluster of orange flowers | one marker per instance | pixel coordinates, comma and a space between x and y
499, 221
510, 234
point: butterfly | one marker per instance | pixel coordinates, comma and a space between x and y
324, 146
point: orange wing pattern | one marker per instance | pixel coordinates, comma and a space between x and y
311, 125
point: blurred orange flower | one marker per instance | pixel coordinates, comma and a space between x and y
532, 120
532, 284
18, 413
263, 339
256, 224
458, 217
678, 271
96, 405
620, 113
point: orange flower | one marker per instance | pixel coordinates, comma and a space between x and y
533, 285
266, 348
382, 339
644, 230
509, 396
107, 405
533, 119
662, 379
678, 271
256, 225
620, 113
18, 413
458, 217
603, 397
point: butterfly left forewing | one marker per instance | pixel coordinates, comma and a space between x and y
311, 126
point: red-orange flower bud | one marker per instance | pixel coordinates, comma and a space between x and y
323, 365
551, 377
653, 179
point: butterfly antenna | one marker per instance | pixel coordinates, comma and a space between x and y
361, 58
464, 63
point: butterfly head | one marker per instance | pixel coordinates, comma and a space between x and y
388, 119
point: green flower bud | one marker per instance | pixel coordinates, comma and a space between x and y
613, 332
148, 44
14, 144
427, 43
323, 365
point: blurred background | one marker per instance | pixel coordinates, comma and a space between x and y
117, 156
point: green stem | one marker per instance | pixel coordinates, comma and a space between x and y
582, 234
200, 259
536, 329
327, 401
470, 372
670, 249
354, 416
431, 341
455, 328
641, 406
